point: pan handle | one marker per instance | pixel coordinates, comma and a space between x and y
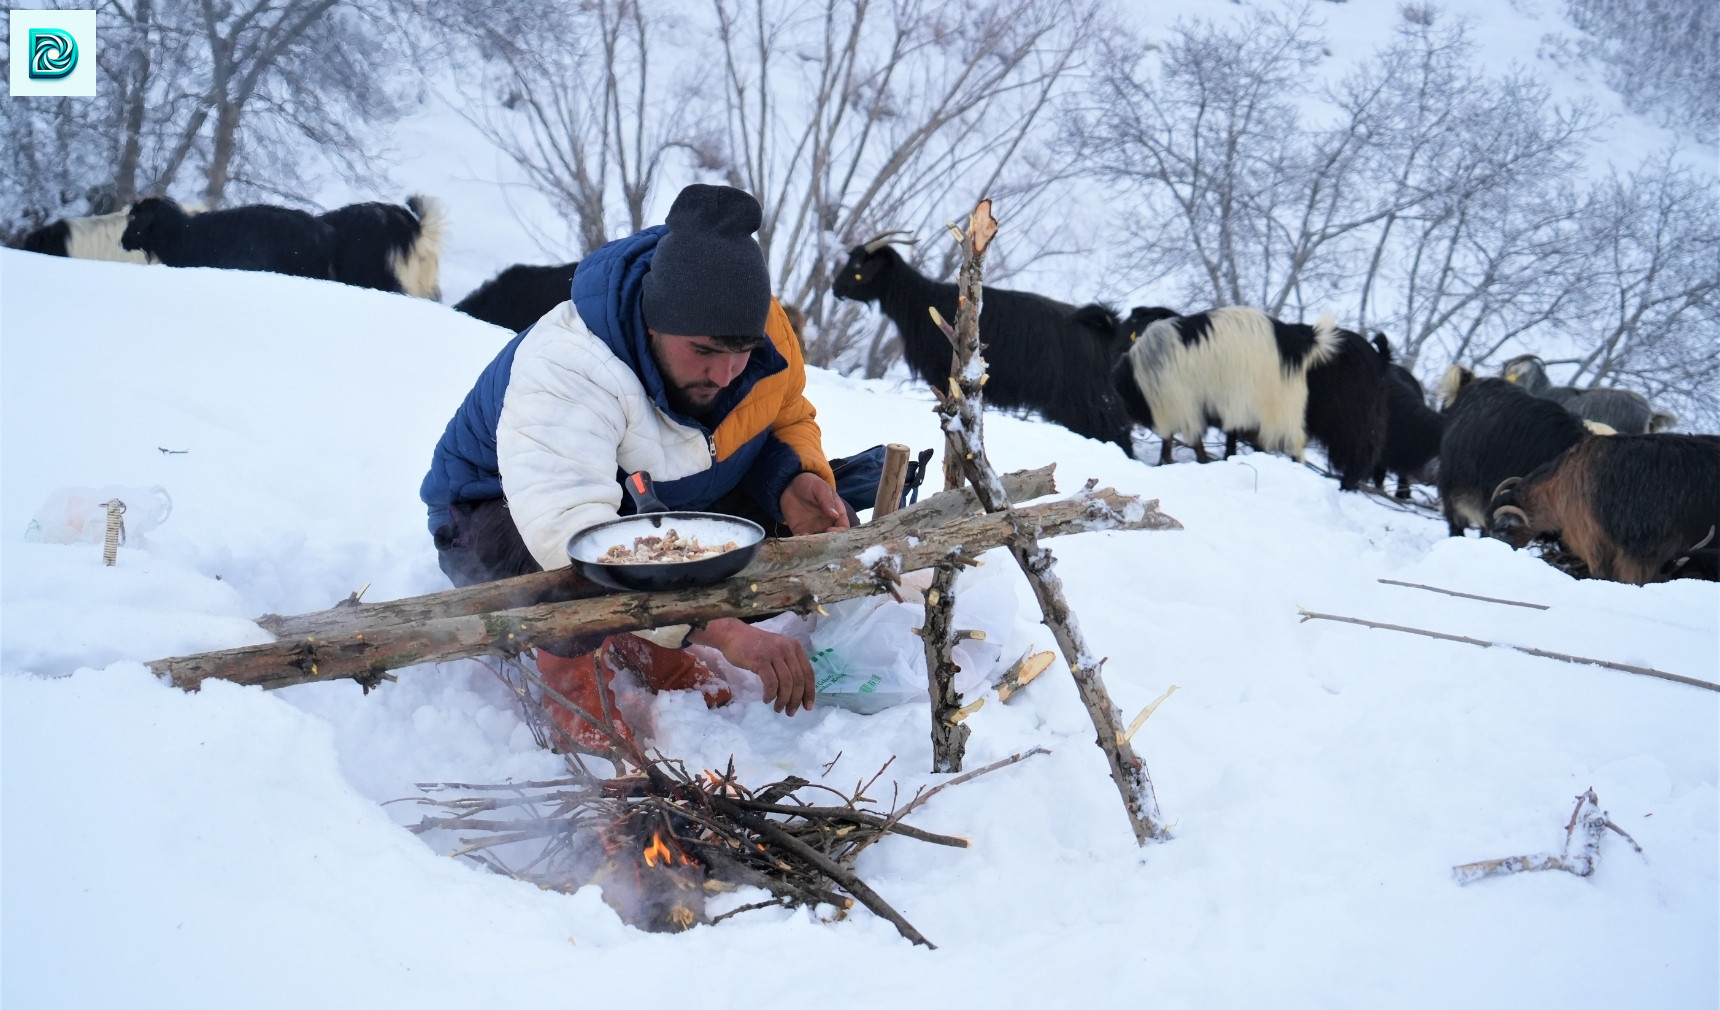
643, 493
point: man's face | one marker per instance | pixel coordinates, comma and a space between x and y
696, 370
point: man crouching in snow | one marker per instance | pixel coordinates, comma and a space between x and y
671, 357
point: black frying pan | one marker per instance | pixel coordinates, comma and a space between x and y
655, 519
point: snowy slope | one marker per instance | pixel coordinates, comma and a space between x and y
230, 848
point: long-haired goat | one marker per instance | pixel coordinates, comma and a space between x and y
1234, 367
1623, 410
258, 237
520, 295
1042, 354
1627, 504
84, 238
1413, 428
1346, 410
1493, 430
389, 247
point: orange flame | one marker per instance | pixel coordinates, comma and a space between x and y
657, 852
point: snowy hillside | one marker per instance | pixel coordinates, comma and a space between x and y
231, 848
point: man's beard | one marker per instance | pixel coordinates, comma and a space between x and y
685, 404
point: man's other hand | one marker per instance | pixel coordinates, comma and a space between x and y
811, 506
779, 661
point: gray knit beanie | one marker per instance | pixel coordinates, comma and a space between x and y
708, 275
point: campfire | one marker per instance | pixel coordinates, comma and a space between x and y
659, 840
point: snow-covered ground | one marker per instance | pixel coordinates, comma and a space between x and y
231, 847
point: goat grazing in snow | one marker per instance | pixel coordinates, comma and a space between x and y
84, 238
1347, 409
1625, 411
1493, 430
389, 247
1413, 428
1627, 505
520, 295
1042, 354
1234, 367
258, 237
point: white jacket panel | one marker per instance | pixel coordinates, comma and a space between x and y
572, 416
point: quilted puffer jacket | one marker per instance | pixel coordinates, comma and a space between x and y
576, 401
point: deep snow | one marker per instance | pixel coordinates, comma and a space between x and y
230, 848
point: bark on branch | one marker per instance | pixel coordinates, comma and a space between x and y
960, 414
565, 584
367, 653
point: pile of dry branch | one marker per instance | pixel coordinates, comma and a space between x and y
659, 839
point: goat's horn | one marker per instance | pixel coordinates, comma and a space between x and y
1704, 542
883, 239
1510, 510
1504, 486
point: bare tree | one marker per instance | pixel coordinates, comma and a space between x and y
569, 94
1661, 56
1651, 318
847, 117
257, 95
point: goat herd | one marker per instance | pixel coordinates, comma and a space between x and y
1515, 456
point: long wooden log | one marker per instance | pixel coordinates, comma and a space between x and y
367, 655
565, 584
960, 414
949, 736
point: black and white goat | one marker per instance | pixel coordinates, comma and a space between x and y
520, 295
1413, 429
1629, 505
1493, 431
1234, 367
1625, 411
389, 247
1041, 354
1346, 411
84, 238
259, 237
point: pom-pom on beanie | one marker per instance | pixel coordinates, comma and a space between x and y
708, 276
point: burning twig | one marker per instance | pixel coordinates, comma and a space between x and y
657, 839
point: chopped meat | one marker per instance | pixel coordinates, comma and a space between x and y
668, 548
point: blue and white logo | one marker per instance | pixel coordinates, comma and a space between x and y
53, 53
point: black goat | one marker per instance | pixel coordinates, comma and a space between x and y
388, 247
520, 295
1628, 505
1413, 428
259, 237
1347, 409
1623, 410
1042, 354
1493, 431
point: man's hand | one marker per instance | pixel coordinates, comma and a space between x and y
779, 661
811, 506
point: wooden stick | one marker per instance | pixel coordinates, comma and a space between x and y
829, 867
1588, 818
949, 736
961, 415
366, 655
565, 584
890, 484
1309, 615
1022, 673
1467, 596
921, 798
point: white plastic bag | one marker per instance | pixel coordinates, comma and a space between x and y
867, 658
73, 515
